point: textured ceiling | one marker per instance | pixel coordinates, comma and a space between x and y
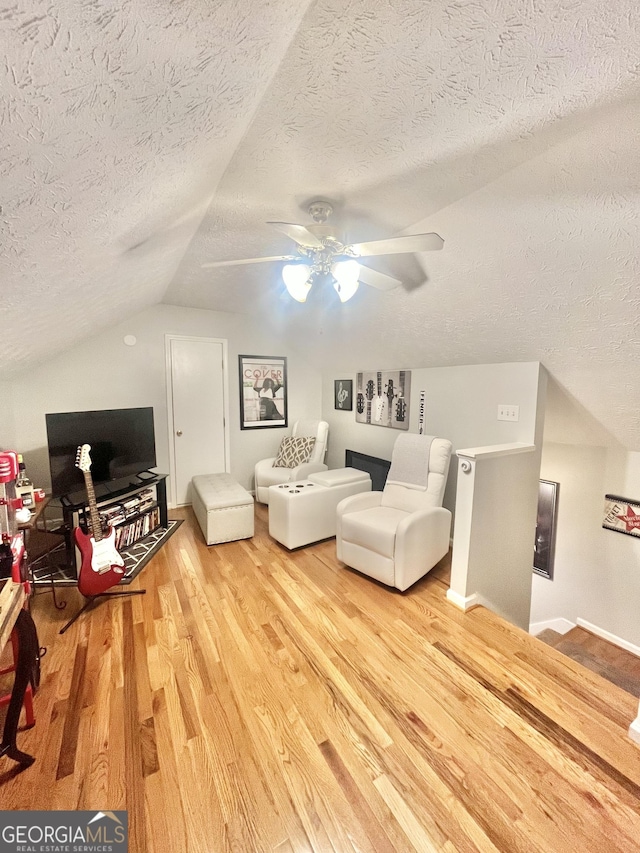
140, 141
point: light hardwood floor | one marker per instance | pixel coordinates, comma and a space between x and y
261, 700
610, 661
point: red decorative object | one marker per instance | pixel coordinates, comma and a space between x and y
622, 515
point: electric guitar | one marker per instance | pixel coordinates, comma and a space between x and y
390, 393
102, 566
401, 404
369, 395
360, 396
379, 400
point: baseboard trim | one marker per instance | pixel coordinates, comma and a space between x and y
462, 602
560, 626
634, 730
606, 635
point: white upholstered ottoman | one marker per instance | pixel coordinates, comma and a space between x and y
223, 508
305, 512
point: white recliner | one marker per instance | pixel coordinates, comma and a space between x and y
267, 475
398, 535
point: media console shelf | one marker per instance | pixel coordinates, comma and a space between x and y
134, 506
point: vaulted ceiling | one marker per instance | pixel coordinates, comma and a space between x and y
142, 139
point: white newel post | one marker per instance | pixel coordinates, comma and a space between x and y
459, 592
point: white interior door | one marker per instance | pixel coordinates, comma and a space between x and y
197, 411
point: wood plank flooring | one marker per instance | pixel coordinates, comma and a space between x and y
260, 700
608, 660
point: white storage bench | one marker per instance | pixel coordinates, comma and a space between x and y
223, 508
305, 512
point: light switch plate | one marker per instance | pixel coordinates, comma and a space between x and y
508, 413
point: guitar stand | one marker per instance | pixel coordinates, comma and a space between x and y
93, 599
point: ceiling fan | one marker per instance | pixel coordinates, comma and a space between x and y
321, 253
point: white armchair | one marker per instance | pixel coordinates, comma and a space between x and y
267, 475
398, 535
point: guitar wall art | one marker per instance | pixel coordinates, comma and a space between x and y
382, 398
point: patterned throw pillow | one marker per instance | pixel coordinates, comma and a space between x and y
294, 451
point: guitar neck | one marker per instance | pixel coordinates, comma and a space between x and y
96, 525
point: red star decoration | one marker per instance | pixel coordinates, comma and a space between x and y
631, 519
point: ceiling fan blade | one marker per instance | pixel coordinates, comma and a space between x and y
250, 261
299, 233
398, 245
379, 280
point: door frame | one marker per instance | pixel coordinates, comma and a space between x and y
169, 387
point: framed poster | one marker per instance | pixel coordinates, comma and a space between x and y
544, 546
622, 515
263, 391
382, 398
343, 394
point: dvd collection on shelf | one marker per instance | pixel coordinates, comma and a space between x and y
143, 512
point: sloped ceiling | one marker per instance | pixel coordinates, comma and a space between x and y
142, 139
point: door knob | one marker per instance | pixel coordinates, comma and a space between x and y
179, 432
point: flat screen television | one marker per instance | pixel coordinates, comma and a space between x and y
122, 445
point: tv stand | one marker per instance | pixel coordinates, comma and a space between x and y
135, 506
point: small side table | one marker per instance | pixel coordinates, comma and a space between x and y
304, 512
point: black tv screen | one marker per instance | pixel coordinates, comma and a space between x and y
122, 444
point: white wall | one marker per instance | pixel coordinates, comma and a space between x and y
596, 571
461, 405
104, 373
7, 420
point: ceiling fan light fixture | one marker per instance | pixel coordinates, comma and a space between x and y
296, 279
345, 274
323, 257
